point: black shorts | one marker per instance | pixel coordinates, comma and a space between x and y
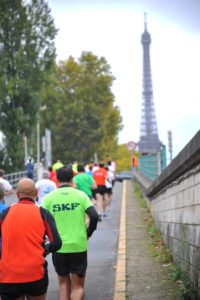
101, 189
94, 193
109, 191
12, 291
68, 263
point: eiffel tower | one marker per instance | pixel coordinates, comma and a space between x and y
149, 140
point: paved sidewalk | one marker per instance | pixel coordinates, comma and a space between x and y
147, 279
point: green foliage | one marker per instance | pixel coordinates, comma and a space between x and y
138, 194
86, 121
187, 291
27, 54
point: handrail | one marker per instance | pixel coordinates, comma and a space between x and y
13, 178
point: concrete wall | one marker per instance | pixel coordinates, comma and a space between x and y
175, 203
176, 212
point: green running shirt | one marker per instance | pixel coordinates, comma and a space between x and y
84, 183
68, 206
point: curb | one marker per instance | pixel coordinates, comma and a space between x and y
120, 279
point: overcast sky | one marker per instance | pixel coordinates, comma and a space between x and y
113, 29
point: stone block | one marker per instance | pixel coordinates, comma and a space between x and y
196, 189
197, 178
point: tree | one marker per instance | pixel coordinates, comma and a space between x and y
27, 53
85, 115
122, 158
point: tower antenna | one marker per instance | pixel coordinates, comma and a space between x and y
145, 21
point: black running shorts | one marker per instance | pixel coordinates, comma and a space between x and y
12, 291
101, 189
70, 263
109, 191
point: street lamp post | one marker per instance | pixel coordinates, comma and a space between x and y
39, 167
38, 142
25, 150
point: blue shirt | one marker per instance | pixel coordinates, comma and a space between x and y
2, 206
29, 167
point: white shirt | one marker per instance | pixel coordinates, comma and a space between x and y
109, 179
44, 186
95, 168
6, 183
111, 169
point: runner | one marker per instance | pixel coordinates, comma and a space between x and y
74, 167
112, 168
89, 171
58, 164
52, 175
44, 186
100, 176
30, 169
23, 226
7, 186
109, 186
84, 182
2, 205
69, 206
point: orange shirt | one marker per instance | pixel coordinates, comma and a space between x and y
134, 161
53, 177
100, 176
23, 230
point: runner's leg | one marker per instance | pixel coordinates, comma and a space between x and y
104, 200
99, 203
77, 292
108, 197
65, 287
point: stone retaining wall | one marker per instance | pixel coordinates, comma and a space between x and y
174, 198
176, 212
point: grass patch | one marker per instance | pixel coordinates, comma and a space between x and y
157, 247
187, 292
162, 253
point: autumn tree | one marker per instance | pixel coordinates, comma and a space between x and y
27, 53
122, 158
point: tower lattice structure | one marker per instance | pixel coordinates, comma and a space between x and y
149, 140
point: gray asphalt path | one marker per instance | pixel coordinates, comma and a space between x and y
102, 255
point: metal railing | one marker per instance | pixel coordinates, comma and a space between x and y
13, 178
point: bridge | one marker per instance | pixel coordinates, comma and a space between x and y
174, 200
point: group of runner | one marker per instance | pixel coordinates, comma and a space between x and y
55, 224
94, 179
97, 182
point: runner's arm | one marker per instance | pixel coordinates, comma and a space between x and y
94, 185
93, 216
55, 241
3, 214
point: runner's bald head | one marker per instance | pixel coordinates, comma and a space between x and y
26, 188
